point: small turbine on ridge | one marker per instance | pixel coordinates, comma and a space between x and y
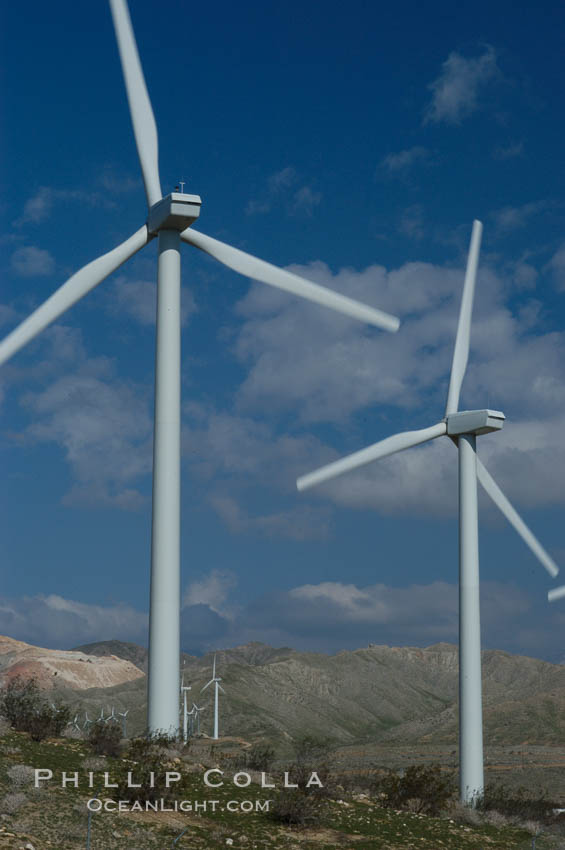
215, 680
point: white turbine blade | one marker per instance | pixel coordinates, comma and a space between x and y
556, 593
252, 267
143, 120
75, 288
214, 668
514, 519
383, 448
211, 682
462, 340
221, 689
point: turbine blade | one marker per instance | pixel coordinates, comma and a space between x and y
221, 689
383, 448
75, 288
514, 519
211, 682
462, 340
143, 120
252, 267
556, 593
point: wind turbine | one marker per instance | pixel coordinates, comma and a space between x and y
169, 219
215, 680
185, 713
462, 427
123, 715
196, 711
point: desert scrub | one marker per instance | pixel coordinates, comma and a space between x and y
295, 807
105, 739
26, 709
521, 805
21, 774
420, 789
12, 802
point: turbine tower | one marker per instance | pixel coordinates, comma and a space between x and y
185, 713
215, 680
169, 221
462, 427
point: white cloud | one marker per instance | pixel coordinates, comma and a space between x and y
511, 151
556, 267
455, 92
402, 161
512, 218
299, 523
212, 590
279, 190
56, 621
305, 200
40, 206
30, 261
105, 429
412, 222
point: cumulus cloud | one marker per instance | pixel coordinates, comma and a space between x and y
39, 206
105, 429
398, 164
556, 268
212, 590
30, 261
512, 218
455, 93
299, 523
327, 616
58, 622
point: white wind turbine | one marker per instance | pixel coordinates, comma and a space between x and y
463, 427
215, 680
123, 715
196, 712
184, 689
169, 219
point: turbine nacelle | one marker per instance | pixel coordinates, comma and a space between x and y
174, 212
474, 422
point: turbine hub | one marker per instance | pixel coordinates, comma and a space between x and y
174, 212
474, 422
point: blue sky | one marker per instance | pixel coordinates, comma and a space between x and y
355, 145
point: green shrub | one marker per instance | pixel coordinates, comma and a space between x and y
105, 739
296, 808
260, 756
420, 789
521, 804
27, 710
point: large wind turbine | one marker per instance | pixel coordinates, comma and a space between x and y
169, 219
215, 680
462, 427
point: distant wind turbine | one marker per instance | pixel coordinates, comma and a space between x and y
215, 680
462, 427
169, 219
184, 689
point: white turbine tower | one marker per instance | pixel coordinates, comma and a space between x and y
184, 689
215, 680
169, 219
196, 712
123, 715
463, 427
